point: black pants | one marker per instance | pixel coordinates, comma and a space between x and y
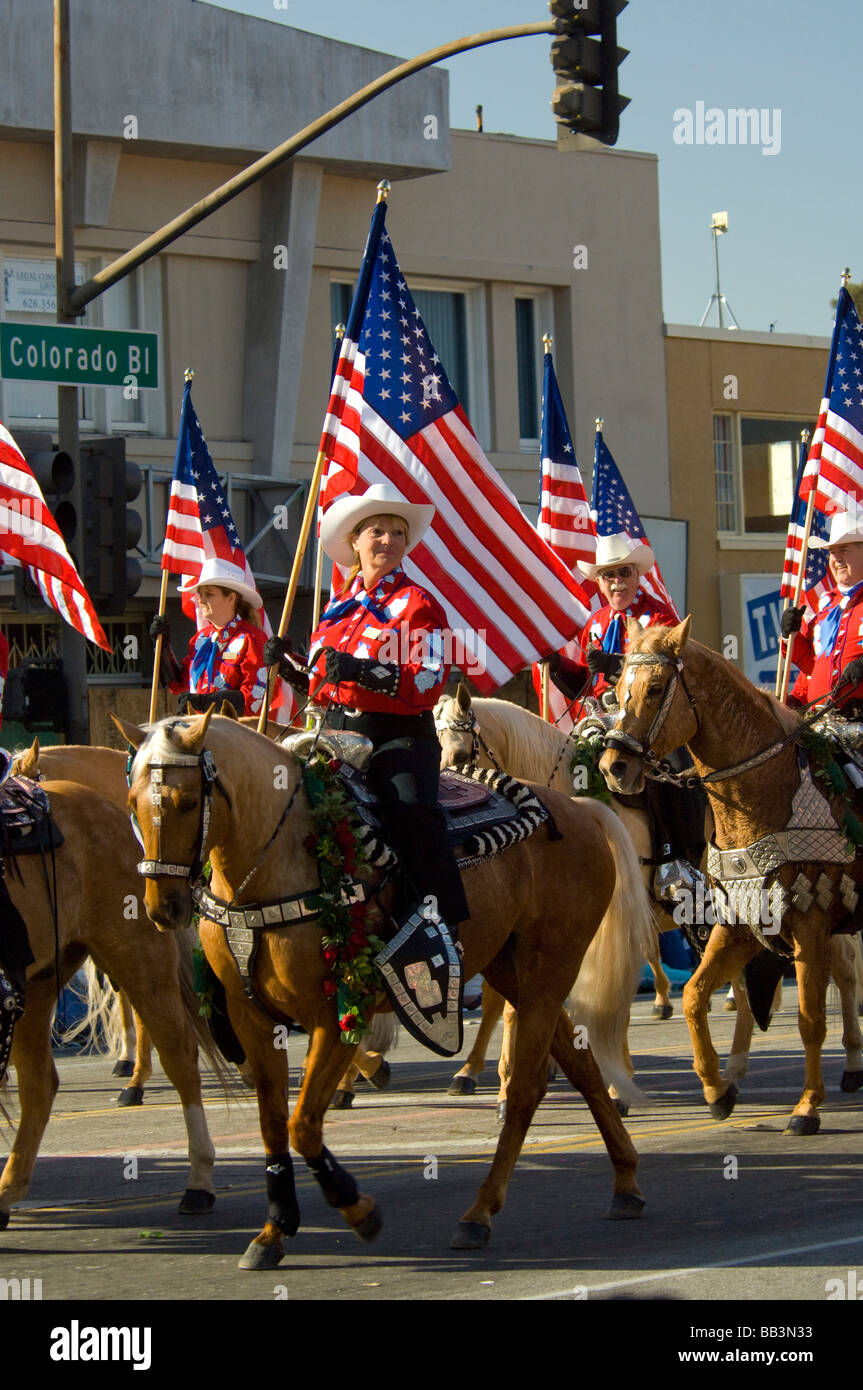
677, 814
404, 774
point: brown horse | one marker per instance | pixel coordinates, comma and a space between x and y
534, 910
673, 691
99, 912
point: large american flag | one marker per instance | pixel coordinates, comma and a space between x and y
835, 464
614, 512
200, 525
29, 537
816, 578
394, 417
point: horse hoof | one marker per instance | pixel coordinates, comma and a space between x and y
662, 1011
371, 1225
462, 1086
4, 1220
625, 1206
196, 1202
381, 1078
621, 1106
131, 1095
261, 1256
123, 1068
501, 1111
720, 1109
342, 1100
730, 1006
803, 1124
471, 1235
851, 1080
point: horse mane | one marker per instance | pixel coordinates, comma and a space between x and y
526, 745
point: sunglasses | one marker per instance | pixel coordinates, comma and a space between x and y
624, 572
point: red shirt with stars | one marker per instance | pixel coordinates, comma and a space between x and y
395, 622
821, 668
238, 664
646, 611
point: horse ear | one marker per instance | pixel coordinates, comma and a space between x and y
633, 628
192, 738
26, 764
131, 733
679, 635
228, 711
462, 696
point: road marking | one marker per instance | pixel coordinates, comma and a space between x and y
764, 1257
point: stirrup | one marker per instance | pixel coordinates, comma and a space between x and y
673, 878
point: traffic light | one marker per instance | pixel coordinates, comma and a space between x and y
586, 99
108, 482
54, 471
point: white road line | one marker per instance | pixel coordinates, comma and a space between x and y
765, 1257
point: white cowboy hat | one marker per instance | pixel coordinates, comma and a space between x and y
845, 527
227, 576
349, 511
618, 550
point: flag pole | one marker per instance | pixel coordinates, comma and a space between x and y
547, 343
784, 667
319, 565
305, 530
188, 376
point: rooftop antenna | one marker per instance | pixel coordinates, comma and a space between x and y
718, 225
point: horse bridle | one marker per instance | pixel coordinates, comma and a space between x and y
469, 724
155, 868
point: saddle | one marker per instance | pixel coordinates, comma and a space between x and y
26, 825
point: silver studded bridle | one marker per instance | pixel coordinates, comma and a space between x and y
468, 724
156, 868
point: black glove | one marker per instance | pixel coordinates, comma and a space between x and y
277, 652
160, 627
276, 649
552, 661
791, 622
373, 675
608, 664
853, 673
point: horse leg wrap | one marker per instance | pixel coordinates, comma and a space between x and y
338, 1187
284, 1210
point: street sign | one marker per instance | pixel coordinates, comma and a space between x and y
73, 356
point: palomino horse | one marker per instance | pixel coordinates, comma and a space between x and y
744, 745
97, 895
104, 770
493, 733
534, 910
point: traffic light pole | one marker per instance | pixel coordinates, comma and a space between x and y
72, 644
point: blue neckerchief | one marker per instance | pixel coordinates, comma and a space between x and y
828, 627
616, 630
208, 649
361, 598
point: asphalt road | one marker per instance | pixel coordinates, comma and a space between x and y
735, 1211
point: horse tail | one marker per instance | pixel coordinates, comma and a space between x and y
602, 995
102, 1020
187, 941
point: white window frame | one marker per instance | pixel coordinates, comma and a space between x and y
476, 342
741, 539
543, 323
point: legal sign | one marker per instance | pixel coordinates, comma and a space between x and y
73, 356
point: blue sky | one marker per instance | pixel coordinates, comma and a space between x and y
796, 216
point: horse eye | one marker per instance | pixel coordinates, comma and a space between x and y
654, 691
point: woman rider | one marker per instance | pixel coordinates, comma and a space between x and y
226, 654
378, 667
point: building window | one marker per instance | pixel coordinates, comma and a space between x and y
528, 372
455, 322
755, 464
723, 471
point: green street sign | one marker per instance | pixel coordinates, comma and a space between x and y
73, 356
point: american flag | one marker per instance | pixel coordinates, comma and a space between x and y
29, 537
835, 464
816, 579
613, 512
564, 521
200, 525
394, 417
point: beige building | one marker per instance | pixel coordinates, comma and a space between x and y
737, 403
501, 240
